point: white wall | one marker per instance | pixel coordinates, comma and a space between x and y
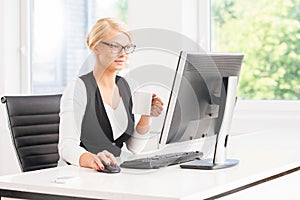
160, 30
9, 77
174, 15
1, 45
10, 41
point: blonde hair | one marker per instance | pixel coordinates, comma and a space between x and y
102, 28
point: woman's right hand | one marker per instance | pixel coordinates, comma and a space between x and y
98, 161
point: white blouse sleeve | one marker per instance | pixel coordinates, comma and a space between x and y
72, 108
137, 142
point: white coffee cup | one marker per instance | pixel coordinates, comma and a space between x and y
142, 103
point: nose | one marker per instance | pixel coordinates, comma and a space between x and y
122, 52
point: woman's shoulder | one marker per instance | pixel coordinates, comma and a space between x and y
75, 86
88, 75
74, 97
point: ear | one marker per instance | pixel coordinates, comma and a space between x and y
96, 49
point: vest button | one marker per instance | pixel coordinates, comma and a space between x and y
114, 143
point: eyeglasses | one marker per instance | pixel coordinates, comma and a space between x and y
117, 48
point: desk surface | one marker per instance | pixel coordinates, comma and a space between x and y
262, 156
285, 187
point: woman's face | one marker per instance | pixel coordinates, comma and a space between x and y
111, 52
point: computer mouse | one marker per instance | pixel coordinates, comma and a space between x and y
110, 169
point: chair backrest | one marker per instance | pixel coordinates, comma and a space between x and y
34, 125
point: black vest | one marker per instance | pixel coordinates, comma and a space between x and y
96, 131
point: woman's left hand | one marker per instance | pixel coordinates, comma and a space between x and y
156, 106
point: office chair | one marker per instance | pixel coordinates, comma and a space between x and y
34, 123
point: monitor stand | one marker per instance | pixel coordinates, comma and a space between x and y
219, 161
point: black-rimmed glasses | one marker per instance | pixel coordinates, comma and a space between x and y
116, 48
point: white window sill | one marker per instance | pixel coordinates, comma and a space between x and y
259, 115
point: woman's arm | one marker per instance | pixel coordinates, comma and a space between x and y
73, 104
143, 125
72, 109
139, 139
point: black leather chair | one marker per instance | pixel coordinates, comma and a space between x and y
34, 125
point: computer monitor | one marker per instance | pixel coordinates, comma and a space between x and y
201, 103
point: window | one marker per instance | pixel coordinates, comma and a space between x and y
57, 38
267, 32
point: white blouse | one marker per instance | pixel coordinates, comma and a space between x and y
72, 109
118, 118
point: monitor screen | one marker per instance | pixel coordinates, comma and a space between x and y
198, 97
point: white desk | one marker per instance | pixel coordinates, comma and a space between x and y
262, 155
284, 187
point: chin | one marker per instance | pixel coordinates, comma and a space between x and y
116, 67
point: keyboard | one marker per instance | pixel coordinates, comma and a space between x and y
162, 160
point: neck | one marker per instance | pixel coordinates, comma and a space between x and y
105, 78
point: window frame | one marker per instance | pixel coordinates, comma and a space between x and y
25, 47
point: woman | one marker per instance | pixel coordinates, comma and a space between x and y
96, 110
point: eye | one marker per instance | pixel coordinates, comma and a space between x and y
115, 46
130, 48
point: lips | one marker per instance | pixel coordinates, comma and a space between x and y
120, 61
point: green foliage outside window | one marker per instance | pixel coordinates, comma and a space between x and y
268, 33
